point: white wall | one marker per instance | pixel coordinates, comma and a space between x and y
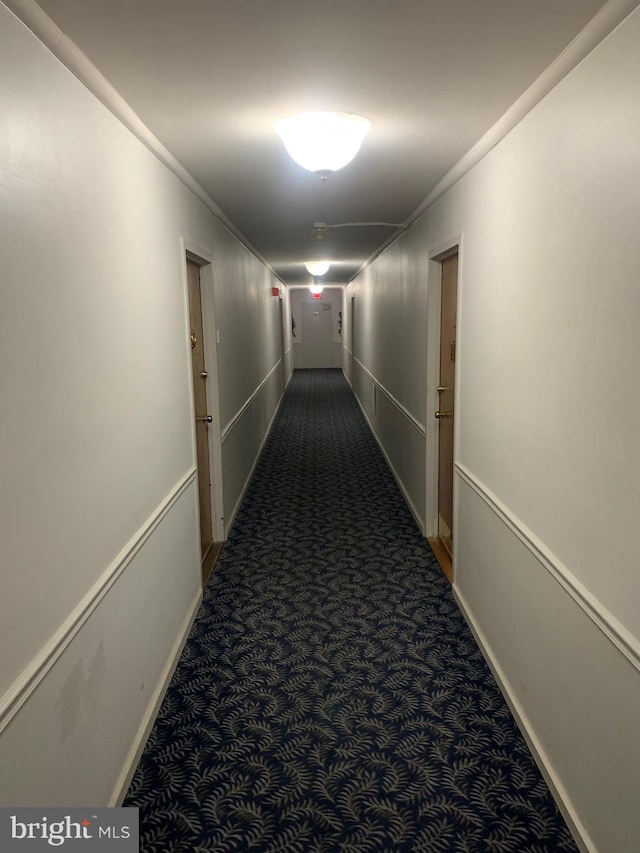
548, 473
99, 524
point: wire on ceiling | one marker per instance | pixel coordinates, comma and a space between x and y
386, 224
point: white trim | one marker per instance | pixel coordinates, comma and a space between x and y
234, 420
412, 420
35, 19
198, 254
35, 672
204, 258
623, 639
579, 832
234, 512
432, 432
436, 255
184, 258
152, 709
396, 476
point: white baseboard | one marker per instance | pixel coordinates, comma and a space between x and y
151, 712
558, 791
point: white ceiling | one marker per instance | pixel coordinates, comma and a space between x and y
211, 77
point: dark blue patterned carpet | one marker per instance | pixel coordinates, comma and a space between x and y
330, 697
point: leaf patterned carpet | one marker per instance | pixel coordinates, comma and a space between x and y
330, 696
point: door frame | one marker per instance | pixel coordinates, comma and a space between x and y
287, 339
204, 259
283, 341
352, 338
436, 255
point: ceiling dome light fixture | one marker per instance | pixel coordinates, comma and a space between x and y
317, 268
323, 142
316, 288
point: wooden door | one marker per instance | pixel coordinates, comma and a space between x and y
200, 405
283, 366
446, 397
352, 337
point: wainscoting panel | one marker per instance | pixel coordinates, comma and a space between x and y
573, 689
242, 441
364, 387
404, 447
400, 436
90, 705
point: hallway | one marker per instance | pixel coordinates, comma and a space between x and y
331, 697
102, 215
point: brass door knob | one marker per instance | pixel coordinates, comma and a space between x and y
440, 415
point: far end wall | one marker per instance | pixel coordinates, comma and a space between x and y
317, 332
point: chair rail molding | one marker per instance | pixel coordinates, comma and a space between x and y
415, 423
595, 610
251, 399
43, 662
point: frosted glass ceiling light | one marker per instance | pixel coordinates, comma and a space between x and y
317, 268
316, 289
323, 142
